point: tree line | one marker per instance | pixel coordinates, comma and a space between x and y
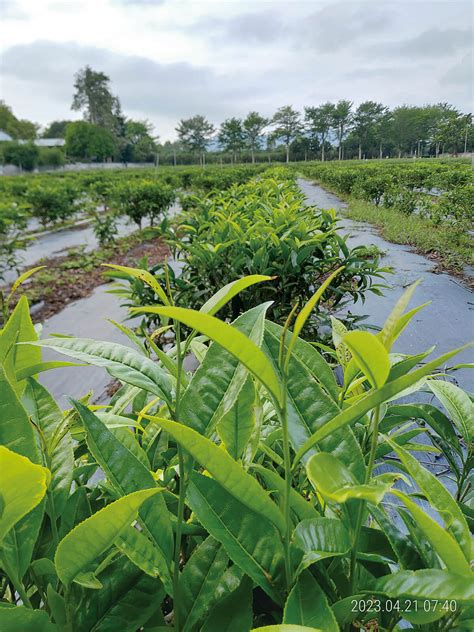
328, 131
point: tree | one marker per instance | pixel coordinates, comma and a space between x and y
90, 142
18, 129
366, 119
288, 127
93, 96
231, 136
253, 126
319, 122
56, 129
195, 134
140, 143
341, 119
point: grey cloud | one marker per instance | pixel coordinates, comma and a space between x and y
170, 90
460, 74
338, 26
260, 27
432, 43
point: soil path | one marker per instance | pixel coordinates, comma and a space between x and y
448, 322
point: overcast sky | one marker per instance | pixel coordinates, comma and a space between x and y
170, 59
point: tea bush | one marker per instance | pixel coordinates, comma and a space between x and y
52, 202
247, 493
144, 199
264, 227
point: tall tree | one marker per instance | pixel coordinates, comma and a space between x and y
253, 126
288, 126
195, 134
92, 95
319, 122
89, 142
366, 119
341, 119
231, 136
140, 141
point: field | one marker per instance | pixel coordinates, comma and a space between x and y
264, 459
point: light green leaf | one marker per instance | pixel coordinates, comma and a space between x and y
17, 357
120, 361
458, 405
308, 605
334, 481
439, 497
426, 584
370, 355
23, 485
442, 542
228, 337
236, 426
139, 550
306, 311
310, 407
230, 474
128, 474
216, 384
21, 279
227, 293
142, 275
388, 333
273, 481
373, 399
85, 543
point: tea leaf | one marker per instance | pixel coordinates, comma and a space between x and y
308, 605
228, 337
250, 540
370, 355
85, 543
230, 474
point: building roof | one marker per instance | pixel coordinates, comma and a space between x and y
4, 136
50, 142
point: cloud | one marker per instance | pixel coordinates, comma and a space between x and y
341, 25
152, 89
262, 27
460, 74
432, 43
11, 10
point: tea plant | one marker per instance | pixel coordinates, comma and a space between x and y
144, 198
248, 493
105, 228
264, 227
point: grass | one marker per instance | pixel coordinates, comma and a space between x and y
452, 252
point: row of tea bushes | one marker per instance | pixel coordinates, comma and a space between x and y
441, 192
263, 227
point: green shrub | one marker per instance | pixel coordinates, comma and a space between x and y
51, 201
105, 228
51, 157
247, 492
23, 155
13, 221
144, 199
264, 227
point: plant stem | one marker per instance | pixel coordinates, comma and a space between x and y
17, 584
283, 414
362, 505
182, 489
